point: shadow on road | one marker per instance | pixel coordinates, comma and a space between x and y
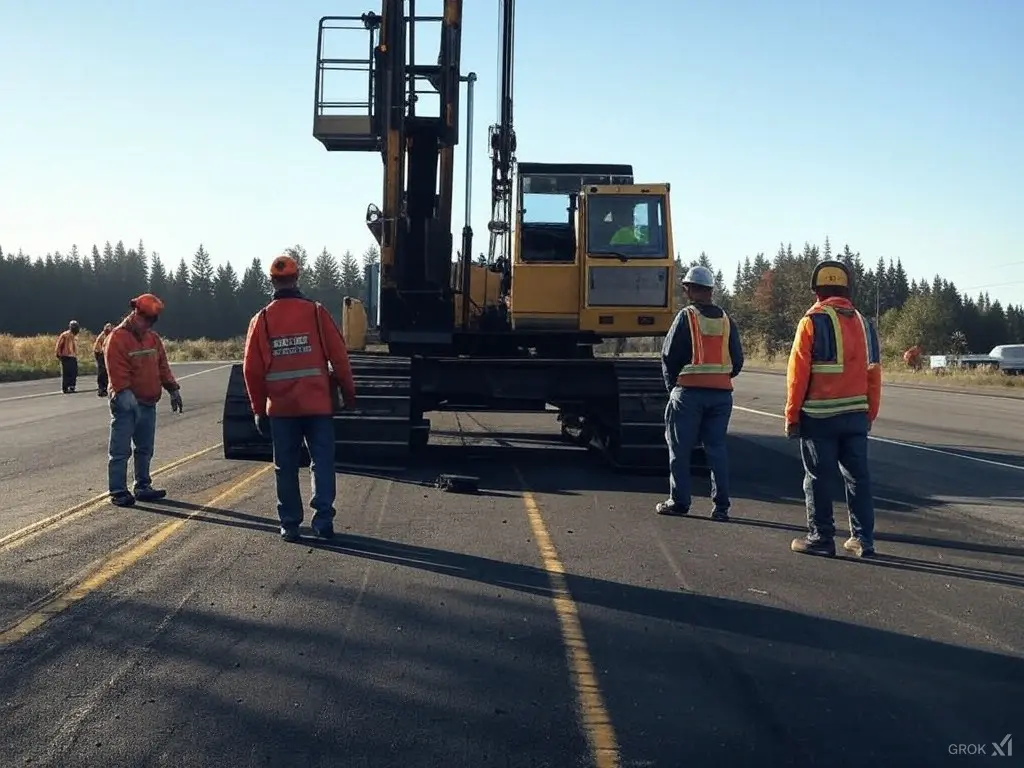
902, 476
438, 673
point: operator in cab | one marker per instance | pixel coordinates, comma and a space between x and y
700, 357
626, 231
834, 389
293, 394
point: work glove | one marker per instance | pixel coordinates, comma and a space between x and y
176, 404
792, 431
263, 425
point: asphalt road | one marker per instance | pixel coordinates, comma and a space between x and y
551, 620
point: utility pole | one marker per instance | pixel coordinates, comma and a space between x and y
878, 292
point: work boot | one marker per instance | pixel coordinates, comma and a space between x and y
857, 548
101, 393
323, 530
148, 493
669, 507
805, 546
122, 499
720, 515
290, 532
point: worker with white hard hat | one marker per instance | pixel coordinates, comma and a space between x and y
700, 357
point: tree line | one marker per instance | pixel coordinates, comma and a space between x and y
767, 296
40, 295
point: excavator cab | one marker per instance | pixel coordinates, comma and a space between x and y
592, 252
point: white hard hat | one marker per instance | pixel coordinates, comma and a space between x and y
700, 276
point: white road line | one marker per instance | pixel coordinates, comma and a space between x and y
927, 449
179, 378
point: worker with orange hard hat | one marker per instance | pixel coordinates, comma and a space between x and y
293, 393
67, 352
834, 386
101, 366
137, 366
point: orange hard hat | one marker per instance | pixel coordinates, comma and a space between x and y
147, 304
284, 266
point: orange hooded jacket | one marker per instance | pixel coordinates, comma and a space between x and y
287, 349
136, 360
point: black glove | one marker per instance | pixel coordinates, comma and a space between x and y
176, 404
263, 426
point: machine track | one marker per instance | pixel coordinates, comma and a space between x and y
635, 443
381, 430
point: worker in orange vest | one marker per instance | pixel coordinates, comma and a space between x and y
293, 394
67, 352
912, 357
136, 363
101, 366
834, 386
700, 357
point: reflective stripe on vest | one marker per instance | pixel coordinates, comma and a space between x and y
824, 407
302, 373
710, 363
141, 352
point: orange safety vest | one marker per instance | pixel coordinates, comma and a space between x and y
710, 363
841, 357
100, 343
67, 345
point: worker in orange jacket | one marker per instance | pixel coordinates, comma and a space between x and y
67, 352
292, 393
137, 366
101, 365
833, 392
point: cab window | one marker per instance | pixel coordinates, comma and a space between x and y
626, 225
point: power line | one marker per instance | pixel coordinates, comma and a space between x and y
992, 285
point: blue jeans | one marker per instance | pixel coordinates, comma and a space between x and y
131, 422
287, 434
825, 444
691, 415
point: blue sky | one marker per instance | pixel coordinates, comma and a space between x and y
892, 126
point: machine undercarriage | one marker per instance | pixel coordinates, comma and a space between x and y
614, 406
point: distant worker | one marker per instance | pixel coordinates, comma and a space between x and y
101, 365
834, 385
67, 352
912, 357
137, 365
700, 357
293, 394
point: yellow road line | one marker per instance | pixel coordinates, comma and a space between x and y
116, 563
597, 723
91, 504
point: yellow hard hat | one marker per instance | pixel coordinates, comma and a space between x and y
830, 272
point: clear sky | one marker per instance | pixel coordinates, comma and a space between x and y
895, 126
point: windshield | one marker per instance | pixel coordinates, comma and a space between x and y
626, 225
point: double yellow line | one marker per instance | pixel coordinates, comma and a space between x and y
118, 562
91, 504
